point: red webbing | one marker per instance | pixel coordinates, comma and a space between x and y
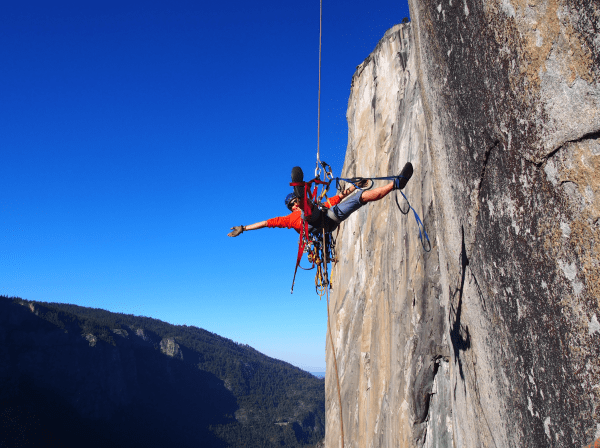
301, 245
307, 209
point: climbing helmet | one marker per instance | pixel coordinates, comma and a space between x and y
288, 200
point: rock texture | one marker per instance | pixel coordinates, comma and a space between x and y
491, 339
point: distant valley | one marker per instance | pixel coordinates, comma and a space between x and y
75, 376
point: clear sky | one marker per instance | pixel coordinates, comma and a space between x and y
134, 134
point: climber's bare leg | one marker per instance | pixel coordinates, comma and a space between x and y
376, 193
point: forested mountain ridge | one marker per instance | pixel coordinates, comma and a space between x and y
129, 380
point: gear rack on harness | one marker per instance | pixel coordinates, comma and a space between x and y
320, 252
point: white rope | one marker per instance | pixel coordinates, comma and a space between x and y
318, 168
318, 174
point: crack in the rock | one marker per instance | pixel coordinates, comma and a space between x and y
437, 359
486, 159
594, 135
459, 334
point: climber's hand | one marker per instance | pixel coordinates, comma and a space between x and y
237, 230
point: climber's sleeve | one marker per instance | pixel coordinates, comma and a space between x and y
334, 200
291, 221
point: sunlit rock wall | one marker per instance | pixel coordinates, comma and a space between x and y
492, 338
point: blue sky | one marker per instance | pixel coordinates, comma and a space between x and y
133, 135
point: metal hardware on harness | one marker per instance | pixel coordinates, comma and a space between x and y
307, 209
318, 257
327, 170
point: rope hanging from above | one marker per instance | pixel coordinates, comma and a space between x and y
318, 176
318, 167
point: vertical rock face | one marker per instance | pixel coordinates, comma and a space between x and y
492, 337
388, 315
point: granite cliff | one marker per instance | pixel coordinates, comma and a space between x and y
491, 338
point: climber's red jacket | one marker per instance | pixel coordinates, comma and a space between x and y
294, 219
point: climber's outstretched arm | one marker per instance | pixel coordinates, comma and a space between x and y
255, 226
237, 230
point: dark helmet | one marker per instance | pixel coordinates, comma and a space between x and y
288, 199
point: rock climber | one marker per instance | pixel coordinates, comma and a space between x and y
336, 210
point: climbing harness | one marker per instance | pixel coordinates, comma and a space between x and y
309, 242
321, 252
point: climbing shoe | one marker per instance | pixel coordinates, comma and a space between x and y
404, 176
298, 176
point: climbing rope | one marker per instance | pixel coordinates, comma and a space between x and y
420, 225
321, 280
425, 243
318, 167
337, 374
